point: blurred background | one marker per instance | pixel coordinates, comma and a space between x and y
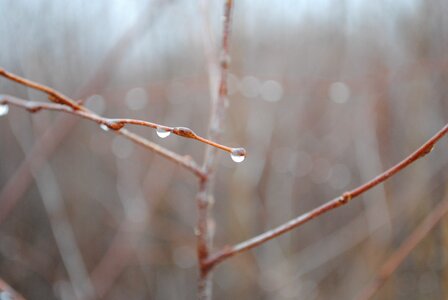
324, 95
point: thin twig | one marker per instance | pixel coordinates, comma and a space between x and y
204, 197
230, 251
114, 124
53, 95
52, 137
395, 260
185, 161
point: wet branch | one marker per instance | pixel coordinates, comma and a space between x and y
345, 198
63, 103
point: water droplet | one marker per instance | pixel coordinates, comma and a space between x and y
4, 109
162, 133
104, 127
238, 154
196, 231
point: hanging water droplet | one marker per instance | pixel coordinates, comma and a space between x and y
104, 127
238, 154
162, 133
4, 109
196, 231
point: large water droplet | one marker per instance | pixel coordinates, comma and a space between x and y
4, 109
162, 133
104, 127
238, 154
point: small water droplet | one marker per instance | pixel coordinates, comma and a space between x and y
238, 154
4, 109
196, 231
104, 127
162, 133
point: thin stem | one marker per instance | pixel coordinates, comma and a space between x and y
395, 260
53, 95
115, 124
230, 251
204, 200
49, 141
32, 106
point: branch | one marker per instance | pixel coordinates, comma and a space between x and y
346, 197
32, 106
67, 105
53, 95
395, 260
52, 137
114, 124
204, 196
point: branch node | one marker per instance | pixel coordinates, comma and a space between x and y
114, 124
33, 108
184, 132
345, 198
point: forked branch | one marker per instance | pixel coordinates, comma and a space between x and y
63, 103
345, 198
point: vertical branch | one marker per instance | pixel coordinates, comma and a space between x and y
205, 194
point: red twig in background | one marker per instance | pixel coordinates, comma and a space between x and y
394, 261
345, 198
204, 196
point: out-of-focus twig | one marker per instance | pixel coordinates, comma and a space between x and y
204, 196
397, 257
345, 198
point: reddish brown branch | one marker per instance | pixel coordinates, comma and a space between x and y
31, 106
230, 251
49, 141
114, 124
395, 260
53, 95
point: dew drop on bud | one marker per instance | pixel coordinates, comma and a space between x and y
104, 127
162, 133
238, 154
4, 109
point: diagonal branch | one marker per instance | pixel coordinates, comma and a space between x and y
52, 137
345, 198
184, 161
67, 105
116, 123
